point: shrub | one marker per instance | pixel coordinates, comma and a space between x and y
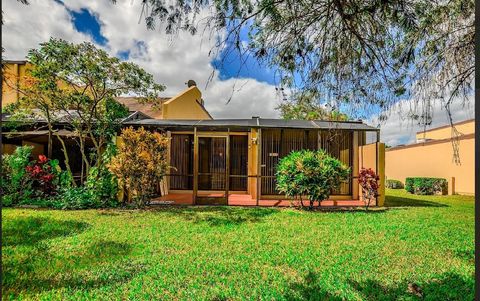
101, 182
370, 182
16, 185
75, 198
426, 186
394, 184
310, 173
24, 181
140, 163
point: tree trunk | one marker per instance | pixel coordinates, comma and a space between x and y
50, 133
66, 160
84, 157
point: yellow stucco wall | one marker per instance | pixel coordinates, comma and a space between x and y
434, 159
445, 132
14, 75
185, 105
367, 158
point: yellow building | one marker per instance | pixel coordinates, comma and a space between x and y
436, 154
188, 104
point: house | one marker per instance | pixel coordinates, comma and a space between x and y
228, 161
233, 161
437, 153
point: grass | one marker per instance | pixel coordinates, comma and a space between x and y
231, 253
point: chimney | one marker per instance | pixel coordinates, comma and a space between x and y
191, 83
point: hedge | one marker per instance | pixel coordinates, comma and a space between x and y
426, 186
394, 184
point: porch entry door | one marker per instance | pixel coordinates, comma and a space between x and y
212, 175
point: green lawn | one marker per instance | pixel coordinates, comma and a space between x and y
228, 253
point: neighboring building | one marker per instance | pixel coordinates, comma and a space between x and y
229, 161
188, 104
433, 156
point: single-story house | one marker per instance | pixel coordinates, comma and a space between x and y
226, 161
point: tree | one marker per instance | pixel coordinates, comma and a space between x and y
140, 163
34, 103
314, 174
364, 53
77, 83
305, 106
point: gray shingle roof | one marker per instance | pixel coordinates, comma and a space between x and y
255, 123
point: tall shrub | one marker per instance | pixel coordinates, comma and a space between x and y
313, 174
141, 162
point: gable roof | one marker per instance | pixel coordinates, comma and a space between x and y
154, 111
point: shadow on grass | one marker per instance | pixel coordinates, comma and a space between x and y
37, 269
221, 215
448, 286
31, 230
309, 289
30, 265
410, 201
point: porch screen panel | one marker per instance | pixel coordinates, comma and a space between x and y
238, 162
211, 163
277, 144
338, 144
181, 158
269, 159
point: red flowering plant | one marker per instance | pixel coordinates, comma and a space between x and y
370, 182
42, 173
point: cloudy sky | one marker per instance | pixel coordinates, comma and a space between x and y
171, 59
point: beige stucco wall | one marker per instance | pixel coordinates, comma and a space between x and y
434, 159
445, 132
367, 158
185, 105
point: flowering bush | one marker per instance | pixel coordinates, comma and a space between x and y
16, 185
42, 173
370, 182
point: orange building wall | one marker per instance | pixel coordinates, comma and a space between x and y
445, 132
434, 159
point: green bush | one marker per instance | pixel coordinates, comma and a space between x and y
75, 198
314, 174
426, 186
394, 184
16, 184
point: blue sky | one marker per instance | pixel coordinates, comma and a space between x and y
230, 64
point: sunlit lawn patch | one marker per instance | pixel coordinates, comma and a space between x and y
220, 253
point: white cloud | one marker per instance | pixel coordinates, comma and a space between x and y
25, 26
171, 59
400, 129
